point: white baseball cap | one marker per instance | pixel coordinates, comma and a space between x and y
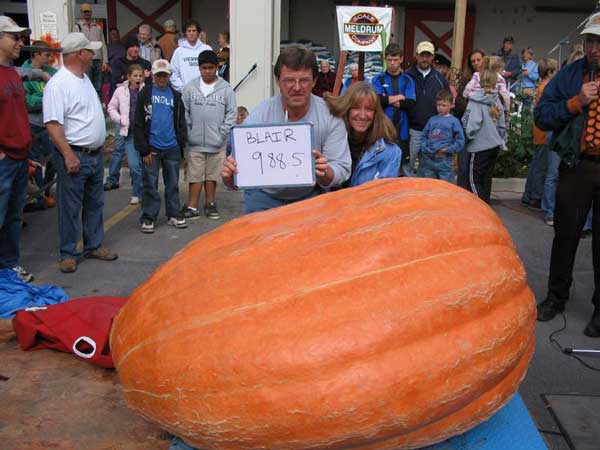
8, 25
73, 42
425, 46
593, 25
161, 66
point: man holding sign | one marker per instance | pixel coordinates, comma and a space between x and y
296, 74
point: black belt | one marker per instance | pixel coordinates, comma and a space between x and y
89, 151
588, 157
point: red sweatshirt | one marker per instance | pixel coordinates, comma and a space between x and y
15, 136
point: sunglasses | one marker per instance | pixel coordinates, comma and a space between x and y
13, 36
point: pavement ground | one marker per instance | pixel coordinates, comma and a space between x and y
53, 400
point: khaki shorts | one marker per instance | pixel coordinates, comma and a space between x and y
204, 166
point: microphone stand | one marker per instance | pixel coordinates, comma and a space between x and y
252, 69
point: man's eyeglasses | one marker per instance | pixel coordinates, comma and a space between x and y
291, 82
14, 36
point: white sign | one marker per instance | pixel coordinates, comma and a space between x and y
364, 28
274, 155
49, 24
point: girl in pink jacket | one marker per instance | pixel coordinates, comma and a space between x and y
121, 110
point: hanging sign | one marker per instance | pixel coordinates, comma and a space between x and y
363, 28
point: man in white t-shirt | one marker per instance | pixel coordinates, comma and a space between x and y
75, 122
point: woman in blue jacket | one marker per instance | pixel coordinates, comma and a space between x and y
371, 135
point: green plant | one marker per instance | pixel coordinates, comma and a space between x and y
515, 161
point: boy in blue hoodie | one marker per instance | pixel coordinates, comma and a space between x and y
442, 138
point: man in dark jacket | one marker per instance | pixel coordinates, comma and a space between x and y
132, 56
512, 63
428, 82
325, 79
568, 96
159, 134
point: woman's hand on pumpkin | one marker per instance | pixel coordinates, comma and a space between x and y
229, 169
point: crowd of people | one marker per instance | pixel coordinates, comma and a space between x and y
170, 100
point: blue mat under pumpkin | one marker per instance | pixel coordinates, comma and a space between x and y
511, 428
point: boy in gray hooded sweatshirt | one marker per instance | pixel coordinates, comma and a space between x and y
210, 112
485, 128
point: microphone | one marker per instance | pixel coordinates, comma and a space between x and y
593, 70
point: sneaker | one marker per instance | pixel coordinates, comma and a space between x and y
177, 222
536, 205
110, 186
134, 200
548, 309
147, 226
549, 222
190, 213
68, 265
211, 211
102, 253
23, 274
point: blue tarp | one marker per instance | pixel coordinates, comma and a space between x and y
15, 294
510, 428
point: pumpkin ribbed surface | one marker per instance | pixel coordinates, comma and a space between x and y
391, 315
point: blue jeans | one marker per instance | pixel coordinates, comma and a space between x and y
80, 195
13, 186
549, 197
256, 200
534, 186
134, 161
42, 146
169, 161
414, 149
438, 168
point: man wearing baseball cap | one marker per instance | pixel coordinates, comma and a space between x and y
428, 82
15, 142
75, 122
93, 32
570, 109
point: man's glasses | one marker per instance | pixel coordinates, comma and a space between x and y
15, 37
291, 82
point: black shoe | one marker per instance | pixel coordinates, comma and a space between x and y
536, 205
188, 213
548, 309
593, 327
211, 211
111, 186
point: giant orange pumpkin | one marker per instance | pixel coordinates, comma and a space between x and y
392, 315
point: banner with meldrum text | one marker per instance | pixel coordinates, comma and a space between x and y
363, 28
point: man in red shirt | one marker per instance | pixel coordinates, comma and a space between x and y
15, 141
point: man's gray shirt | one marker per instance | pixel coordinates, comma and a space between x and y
331, 139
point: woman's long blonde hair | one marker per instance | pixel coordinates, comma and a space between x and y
381, 127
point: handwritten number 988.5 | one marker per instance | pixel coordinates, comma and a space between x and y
276, 160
